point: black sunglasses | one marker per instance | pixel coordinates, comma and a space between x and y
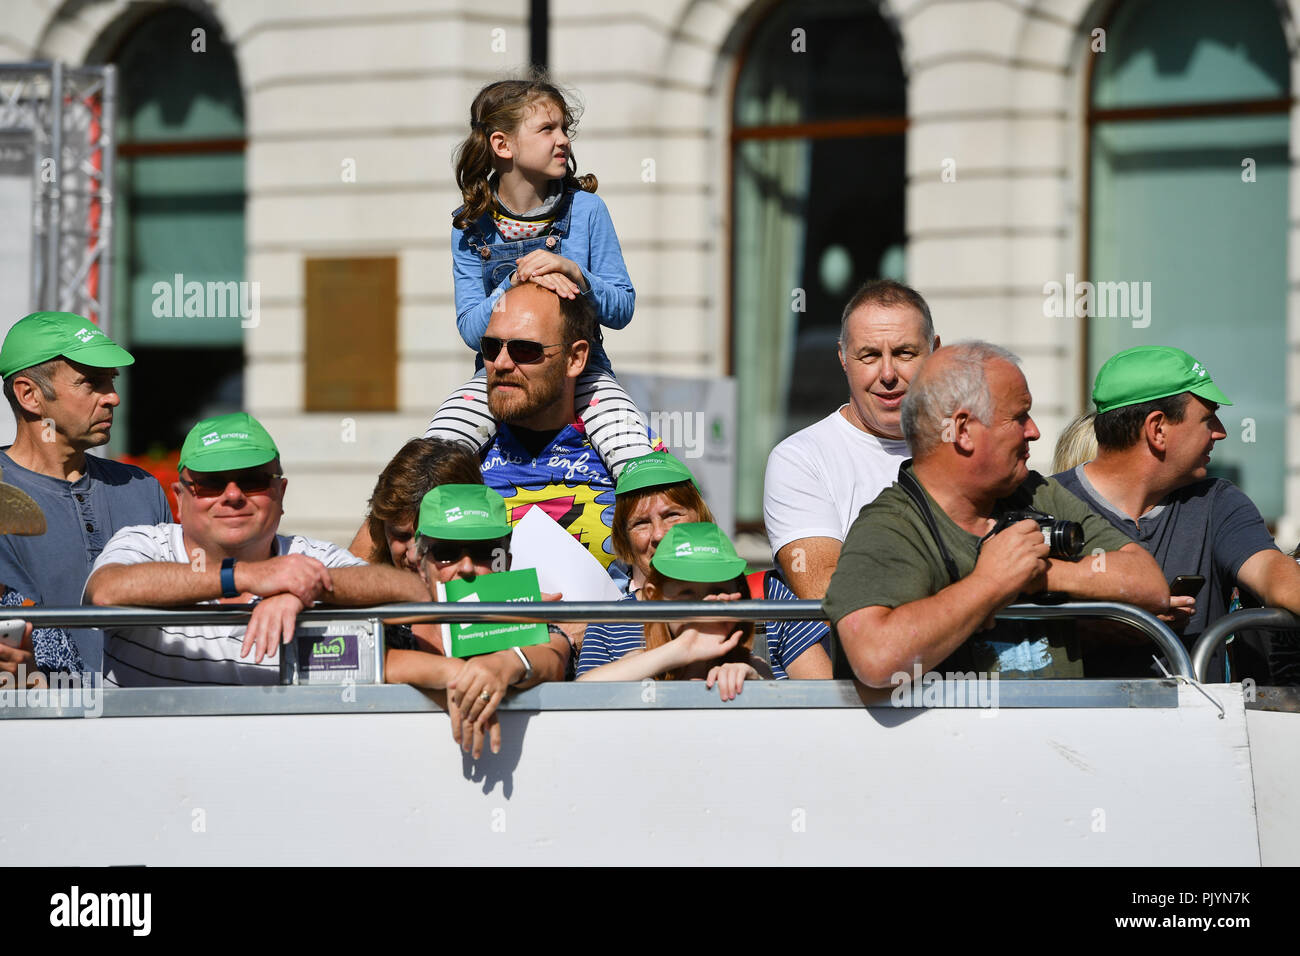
444, 551
521, 351
214, 484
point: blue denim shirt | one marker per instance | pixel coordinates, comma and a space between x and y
582, 231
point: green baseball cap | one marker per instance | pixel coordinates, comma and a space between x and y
227, 443
463, 513
1148, 372
650, 471
697, 551
41, 336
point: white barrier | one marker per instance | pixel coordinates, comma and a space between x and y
1111, 773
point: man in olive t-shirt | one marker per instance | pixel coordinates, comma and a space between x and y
893, 599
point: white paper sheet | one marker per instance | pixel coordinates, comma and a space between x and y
562, 563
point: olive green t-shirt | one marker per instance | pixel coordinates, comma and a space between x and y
890, 558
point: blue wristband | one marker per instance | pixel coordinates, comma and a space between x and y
228, 589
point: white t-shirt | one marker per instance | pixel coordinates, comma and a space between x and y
819, 479
154, 656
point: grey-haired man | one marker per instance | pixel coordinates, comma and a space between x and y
922, 571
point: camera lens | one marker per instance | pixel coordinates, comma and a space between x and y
1066, 539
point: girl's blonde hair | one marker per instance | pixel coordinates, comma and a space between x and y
656, 633
1077, 444
502, 107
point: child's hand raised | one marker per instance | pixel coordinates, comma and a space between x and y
707, 640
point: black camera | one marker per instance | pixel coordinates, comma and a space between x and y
1064, 539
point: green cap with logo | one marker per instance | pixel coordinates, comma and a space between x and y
41, 336
463, 513
227, 443
1148, 372
650, 471
697, 551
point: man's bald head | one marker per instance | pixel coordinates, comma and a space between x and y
953, 378
561, 320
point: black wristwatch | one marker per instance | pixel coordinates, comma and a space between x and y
228, 589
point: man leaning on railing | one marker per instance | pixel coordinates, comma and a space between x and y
226, 549
1157, 423
463, 534
934, 558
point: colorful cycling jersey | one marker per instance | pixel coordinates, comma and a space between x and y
566, 479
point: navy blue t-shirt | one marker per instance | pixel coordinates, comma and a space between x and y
80, 516
1208, 528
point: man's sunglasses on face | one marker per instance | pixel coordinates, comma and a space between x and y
213, 484
444, 551
521, 351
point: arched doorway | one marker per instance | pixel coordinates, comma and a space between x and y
180, 220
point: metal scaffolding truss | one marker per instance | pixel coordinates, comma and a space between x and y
67, 113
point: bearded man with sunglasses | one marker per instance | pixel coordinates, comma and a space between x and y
226, 549
536, 346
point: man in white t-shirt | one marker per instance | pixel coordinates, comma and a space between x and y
819, 478
225, 550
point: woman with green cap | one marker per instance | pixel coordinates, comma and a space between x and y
694, 561
655, 493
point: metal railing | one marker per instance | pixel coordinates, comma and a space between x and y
591, 611
1262, 618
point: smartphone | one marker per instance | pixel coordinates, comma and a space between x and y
11, 631
1186, 585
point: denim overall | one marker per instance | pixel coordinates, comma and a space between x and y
499, 258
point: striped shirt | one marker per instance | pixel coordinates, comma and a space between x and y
159, 656
606, 641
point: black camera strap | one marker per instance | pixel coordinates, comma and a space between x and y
913, 489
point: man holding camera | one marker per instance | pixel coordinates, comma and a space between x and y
928, 564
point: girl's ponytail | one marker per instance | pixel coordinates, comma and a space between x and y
473, 169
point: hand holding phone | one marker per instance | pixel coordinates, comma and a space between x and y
11, 631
